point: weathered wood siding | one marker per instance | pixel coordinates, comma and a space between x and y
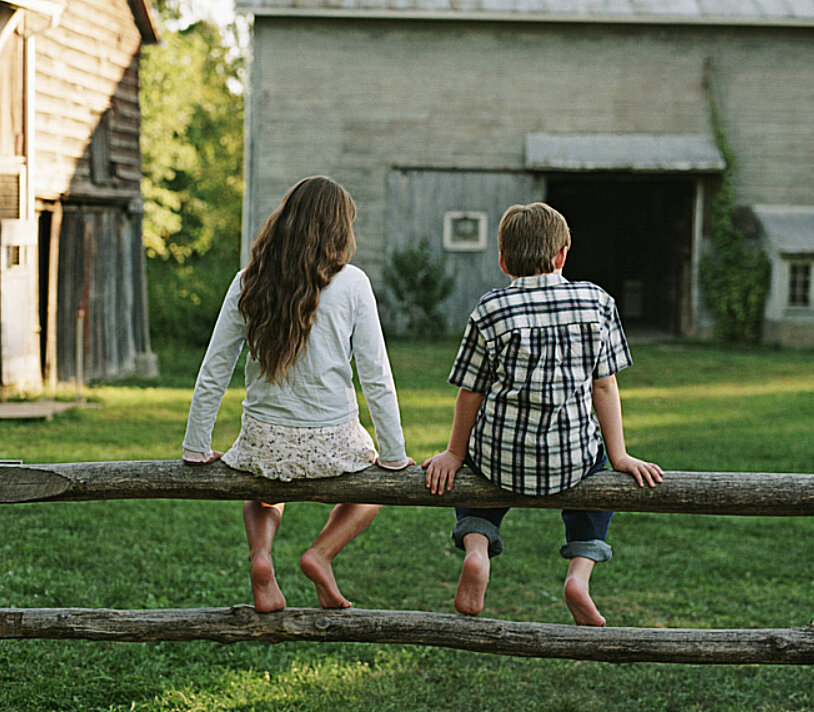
354, 99
87, 69
88, 158
100, 252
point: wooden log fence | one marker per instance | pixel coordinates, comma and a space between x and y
735, 493
766, 494
539, 640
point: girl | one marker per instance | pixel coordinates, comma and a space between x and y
304, 313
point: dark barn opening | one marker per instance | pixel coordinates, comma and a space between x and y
633, 237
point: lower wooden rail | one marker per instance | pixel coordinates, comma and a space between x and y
781, 646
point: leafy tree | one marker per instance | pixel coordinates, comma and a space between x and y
192, 158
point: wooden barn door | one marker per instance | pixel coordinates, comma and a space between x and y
19, 310
456, 213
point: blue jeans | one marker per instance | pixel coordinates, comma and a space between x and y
585, 530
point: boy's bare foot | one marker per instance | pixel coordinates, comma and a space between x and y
579, 602
267, 594
318, 569
472, 585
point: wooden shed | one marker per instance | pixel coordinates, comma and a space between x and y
72, 282
439, 114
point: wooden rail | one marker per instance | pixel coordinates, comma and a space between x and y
541, 640
691, 492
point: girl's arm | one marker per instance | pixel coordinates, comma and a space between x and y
376, 378
608, 408
441, 468
214, 376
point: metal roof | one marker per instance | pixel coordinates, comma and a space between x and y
726, 12
789, 228
623, 152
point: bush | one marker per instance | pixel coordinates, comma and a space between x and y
419, 282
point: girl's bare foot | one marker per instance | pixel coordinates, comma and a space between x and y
579, 602
318, 568
469, 599
267, 594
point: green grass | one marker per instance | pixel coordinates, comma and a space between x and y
687, 406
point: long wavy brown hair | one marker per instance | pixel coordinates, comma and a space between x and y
302, 245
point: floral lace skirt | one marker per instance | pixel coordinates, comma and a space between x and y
285, 453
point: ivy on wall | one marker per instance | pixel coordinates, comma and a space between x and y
734, 274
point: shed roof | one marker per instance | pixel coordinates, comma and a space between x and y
716, 12
695, 153
789, 228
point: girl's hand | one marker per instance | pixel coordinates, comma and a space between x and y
642, 471
201, 458
441, 471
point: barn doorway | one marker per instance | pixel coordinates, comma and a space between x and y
633, 237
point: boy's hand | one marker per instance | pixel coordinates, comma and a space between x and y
441, 471
642, 471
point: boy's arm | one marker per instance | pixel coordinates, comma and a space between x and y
608, 408
441, 468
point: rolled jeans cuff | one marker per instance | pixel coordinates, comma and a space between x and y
477, 525
595, 549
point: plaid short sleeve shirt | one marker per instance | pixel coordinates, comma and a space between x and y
533, 350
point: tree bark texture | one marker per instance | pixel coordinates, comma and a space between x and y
540, 640
741, 493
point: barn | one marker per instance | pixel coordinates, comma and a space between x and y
439, 114
72, 284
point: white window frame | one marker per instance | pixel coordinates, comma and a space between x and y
802, 262
450, 245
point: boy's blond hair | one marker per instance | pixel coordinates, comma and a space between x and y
529, 238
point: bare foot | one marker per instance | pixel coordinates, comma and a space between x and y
267, 594
318, 569
580, 604
472, 585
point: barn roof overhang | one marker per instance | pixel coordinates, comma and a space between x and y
143, 15
789, 229
660, 153
737, 13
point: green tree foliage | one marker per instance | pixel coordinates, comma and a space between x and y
192, 158
734, 275
419, 283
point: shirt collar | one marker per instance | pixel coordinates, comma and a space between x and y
537, 281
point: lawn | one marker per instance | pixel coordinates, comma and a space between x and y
686, 406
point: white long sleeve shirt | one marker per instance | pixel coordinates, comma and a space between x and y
318, 391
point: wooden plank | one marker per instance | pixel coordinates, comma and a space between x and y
690, 492
773, 646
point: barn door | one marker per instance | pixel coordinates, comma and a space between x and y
19, 310
456, 213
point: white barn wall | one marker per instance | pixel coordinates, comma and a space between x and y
353, 98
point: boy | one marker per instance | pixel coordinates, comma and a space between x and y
534, 358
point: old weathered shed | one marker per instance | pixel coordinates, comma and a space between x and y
438, 114
70, 190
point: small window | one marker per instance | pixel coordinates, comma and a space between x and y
14, 256
800, 284
100, 140
465, 231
